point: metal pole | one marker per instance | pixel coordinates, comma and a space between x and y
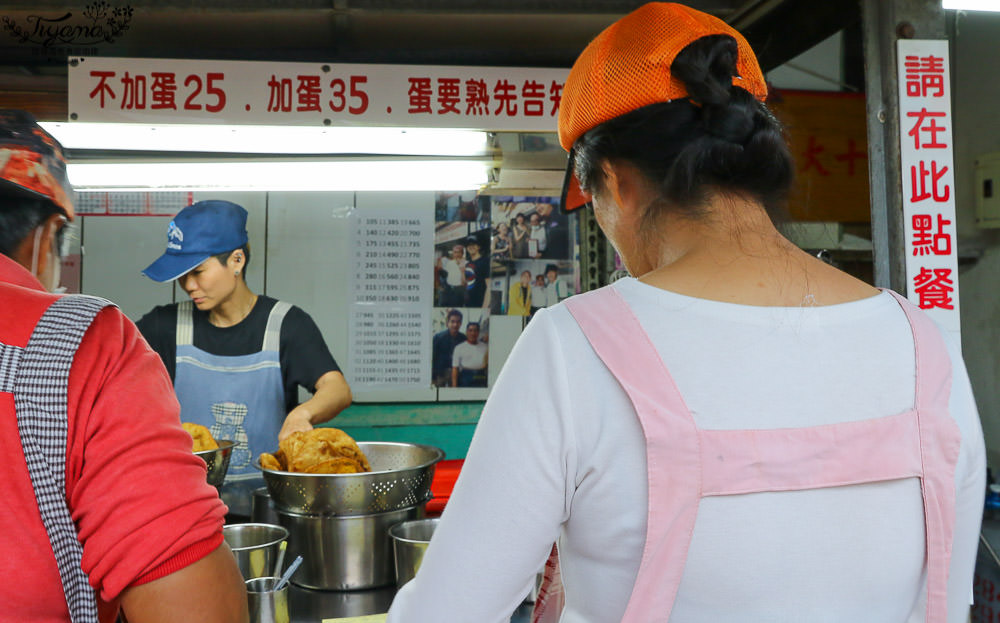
883, 23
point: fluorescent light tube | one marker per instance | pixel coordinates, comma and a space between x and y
281, 175
972, 5
251, 139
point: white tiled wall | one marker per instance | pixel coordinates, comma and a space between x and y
114, 250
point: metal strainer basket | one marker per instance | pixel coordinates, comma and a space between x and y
400, 478
217, 460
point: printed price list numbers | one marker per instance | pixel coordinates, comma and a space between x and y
390, 311
388, 266
388, 347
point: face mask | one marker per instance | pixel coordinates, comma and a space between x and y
53, 272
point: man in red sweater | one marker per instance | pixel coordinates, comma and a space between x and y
106, 507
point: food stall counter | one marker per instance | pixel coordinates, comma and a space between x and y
365, 606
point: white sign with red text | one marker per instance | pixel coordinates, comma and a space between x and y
926, 148
145, 90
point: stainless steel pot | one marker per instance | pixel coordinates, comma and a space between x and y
344, 552
255, 546
262, 507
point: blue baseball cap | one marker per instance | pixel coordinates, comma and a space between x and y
198, 232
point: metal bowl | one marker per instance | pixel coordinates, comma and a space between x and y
256, 547
217, 461
409, 542
400, 478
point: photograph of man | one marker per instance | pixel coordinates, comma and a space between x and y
535, 227
538, 237
556, 289
442, 347
477, 273
469, 360
557, 231
451, 272
538, 294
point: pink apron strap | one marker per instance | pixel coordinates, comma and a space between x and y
789, 459
672, 445
940, 443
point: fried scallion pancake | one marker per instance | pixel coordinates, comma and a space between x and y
318, 451
269, 461
201, 438
338, 465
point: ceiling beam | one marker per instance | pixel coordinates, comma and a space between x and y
792, 27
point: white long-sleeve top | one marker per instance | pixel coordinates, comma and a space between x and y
559, 454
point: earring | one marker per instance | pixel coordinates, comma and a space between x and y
237, 273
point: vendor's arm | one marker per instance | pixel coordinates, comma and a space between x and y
484, 555
155, 548
332, 396
205, 598
306, 361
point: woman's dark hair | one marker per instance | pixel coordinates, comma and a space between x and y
720, 139
19, 216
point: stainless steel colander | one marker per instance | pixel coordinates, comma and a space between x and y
400, 478
217, 460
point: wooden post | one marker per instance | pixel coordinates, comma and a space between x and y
884, 22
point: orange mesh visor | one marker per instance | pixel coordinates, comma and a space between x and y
627, 66
573, 197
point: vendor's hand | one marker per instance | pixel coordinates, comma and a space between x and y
297, 420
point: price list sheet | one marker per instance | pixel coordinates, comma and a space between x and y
390, 335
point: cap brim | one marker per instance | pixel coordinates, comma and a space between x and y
169, 266
572, 198
16, 190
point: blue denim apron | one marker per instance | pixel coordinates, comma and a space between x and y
240, 398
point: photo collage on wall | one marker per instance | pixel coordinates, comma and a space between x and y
492, 255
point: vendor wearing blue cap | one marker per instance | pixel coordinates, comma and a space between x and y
237, 358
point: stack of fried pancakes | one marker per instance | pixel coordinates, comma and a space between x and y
318, 451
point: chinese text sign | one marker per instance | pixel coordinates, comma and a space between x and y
928, 180
142, 90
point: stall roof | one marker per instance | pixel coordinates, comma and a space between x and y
521, 33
